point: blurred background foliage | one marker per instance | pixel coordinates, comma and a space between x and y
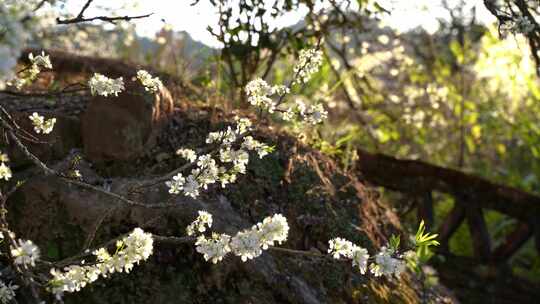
462, 97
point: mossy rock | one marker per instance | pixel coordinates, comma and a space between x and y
318, 199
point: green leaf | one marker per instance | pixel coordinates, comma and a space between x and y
394, 242
424, 240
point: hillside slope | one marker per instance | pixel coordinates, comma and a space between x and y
319, 200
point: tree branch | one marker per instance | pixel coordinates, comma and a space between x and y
101, 18
85, 7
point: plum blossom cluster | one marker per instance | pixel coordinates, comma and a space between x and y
29, 74
252, 144
387, 262
214, 248
131, 250
341, 248
5, 171
187, 154
224, 169
151, 84
18, 22
42, 125
7, 292
246, 244
40, 61
105, 86
199, 225
260, 93
25, 253
309, 62
312, 114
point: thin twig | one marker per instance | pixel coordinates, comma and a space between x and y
100, 18
85, 7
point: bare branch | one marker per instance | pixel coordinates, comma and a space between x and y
85, 7
101, 18
80, 17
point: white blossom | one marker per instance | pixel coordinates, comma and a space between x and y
225, 155
139, 245
187, 154
280, 90
226, 177
130, 250
213, 137
152, 84
315, 114
76, 174
301, 106
200, 224
387, 262
225, 167
41, 60
239, 158
5, 172
205, 161
309, 62
312, 114
104, 86
288, 114
25, 253
208, 176
242, 125
7, 292
41, 125
247, 244
273, 229
226, 137
250, 143
213, 249
258, 87
37, 121
191, 187
4, 158
207, 173
360, 258
30, 73
257, 91
387, 265
340, 247
254, 145
176, 184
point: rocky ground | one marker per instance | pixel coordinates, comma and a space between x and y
121, 141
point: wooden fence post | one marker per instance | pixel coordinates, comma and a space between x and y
512, 243
479, 232
450, 225
425, 209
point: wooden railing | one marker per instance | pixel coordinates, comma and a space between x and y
472, 195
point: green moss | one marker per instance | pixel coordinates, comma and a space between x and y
53, 251
268, 168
